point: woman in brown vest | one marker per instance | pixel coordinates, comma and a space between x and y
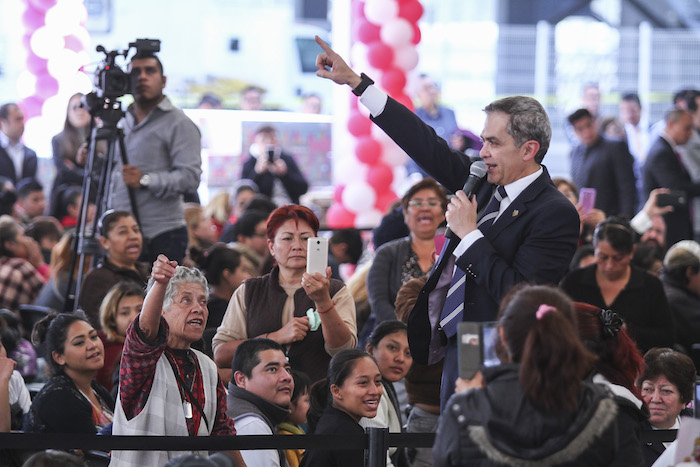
275, 305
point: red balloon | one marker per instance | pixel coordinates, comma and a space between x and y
32, 19
42, 5
380, 55
46, 86
337, 217
416, 33
338, 193
380, 176
411, 10
393, 81
385, 199
36, 65
368, 150
359, 125
404, 99
74, 44
31, 106
366, 32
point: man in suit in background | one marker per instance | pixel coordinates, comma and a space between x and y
530, 236
16, 160
664, 169
605, 165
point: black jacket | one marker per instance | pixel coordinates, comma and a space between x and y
294, 182
335, 422
497, 425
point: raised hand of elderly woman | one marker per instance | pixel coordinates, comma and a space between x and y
163, 269
317, 287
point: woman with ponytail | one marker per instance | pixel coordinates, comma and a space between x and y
351, 391
534, 408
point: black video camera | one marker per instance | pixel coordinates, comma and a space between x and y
111, 81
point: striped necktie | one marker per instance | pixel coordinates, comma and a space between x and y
454, 302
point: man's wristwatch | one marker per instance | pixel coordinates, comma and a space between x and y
364, 84
145, 180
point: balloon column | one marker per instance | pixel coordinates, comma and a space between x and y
385, 34
56, 41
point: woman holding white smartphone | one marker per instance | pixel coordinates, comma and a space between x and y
312, 315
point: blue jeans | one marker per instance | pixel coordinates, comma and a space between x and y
172, 244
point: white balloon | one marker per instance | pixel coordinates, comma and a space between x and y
358, 55
406, 57
77, 82
347, 169
54, 108
368, 219
26, 84
393, 155
400, 174
46, 42
66, 16
396, 33
359, 197
381, 11
63, 64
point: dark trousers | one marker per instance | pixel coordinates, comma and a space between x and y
172, 244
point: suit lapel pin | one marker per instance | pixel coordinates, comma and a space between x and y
515, 212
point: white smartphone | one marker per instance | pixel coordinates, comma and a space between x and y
317, 255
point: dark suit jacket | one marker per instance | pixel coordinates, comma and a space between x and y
532, 241
663, 169
7, 168
293, 181
608, 167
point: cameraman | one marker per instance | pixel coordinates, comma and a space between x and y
164, 154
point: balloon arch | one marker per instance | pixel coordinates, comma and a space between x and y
384, 38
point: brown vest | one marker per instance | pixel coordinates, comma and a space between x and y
264, 301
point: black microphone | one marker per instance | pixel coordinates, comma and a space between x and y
477, 171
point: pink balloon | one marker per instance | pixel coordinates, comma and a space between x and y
359, 125
368, 150
337, 217
32, 19
385, 199
31, 106
380, 55
405, 100
411, 10
358, 9
74, 44
35, 65
338, 193
393, 81
416, 33
366, 32
380, 176
46, 86
27, 41
42, 5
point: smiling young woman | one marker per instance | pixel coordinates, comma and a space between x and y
352, 391
71, 401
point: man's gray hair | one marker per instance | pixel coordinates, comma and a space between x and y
182, 275
528, 121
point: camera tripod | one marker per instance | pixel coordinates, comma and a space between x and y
85, 241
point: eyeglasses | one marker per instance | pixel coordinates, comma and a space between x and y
419, 203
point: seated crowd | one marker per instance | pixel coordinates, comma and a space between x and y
238, 338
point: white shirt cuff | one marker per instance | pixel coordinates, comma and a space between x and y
466, 242
374, 99
641, 222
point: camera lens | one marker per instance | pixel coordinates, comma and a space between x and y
318, 242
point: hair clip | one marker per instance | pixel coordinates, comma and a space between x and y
611, 323
543, 310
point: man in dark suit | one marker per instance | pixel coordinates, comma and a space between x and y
16, 160
535, 231
664, 169
605, 165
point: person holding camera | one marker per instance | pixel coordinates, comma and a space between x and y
164, 161
275, 172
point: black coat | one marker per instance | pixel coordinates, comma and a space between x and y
29, 165
334, 422
642, 304
497, 425
663, 169
608, 167
293, 181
